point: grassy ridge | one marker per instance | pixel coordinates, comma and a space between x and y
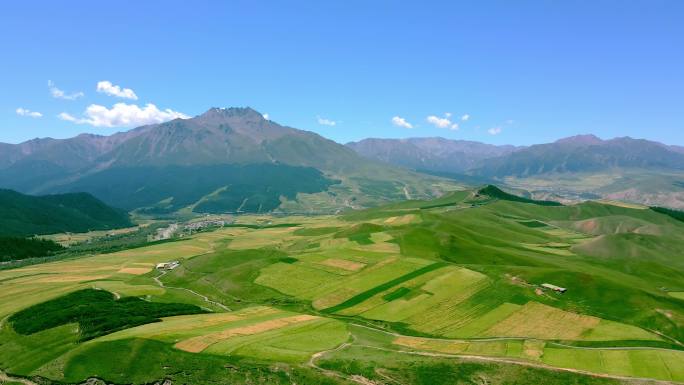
495, 192
357, 299
22, 215
415, 370
676, 214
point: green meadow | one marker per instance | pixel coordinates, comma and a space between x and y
418, 292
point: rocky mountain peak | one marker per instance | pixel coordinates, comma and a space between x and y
217, 114
581, 140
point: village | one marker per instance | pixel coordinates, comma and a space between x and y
189, 228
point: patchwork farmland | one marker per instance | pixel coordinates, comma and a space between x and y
454, 283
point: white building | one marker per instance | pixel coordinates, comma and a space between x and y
168, 265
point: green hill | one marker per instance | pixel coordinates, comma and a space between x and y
24, 215
496, 193
676, 214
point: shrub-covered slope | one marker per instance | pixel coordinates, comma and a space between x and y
22, 215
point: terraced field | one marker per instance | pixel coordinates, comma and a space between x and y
666, 365
254, 332
450, 285
659, 364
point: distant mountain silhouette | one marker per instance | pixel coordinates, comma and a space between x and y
581, 153
224, 160
432, 154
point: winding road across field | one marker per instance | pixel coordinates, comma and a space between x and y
365, 381
204, 297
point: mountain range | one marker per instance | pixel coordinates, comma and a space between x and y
579, 153
584, 153
430, 154
225, 160
577, 167
235, 160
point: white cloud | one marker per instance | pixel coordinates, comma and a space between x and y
465, 117
510, 121
494, 131
266, 116
442, 122
401, 122
59, 94
447, 114
29, 113
123, 115
326, 122
68, 117
439, 122
106, 87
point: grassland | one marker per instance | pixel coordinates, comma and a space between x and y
406, 293
642, 363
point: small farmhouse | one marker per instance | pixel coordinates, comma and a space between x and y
554, 287
168, 265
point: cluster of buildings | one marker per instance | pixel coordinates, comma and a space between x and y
187, 228
168, 265
196, 226
555, 288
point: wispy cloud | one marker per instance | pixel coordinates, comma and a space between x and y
326, 122
59, 94
401, 122
106, 87
123, 115
465, 117
442, 122
26, 112
499, 129
494, 131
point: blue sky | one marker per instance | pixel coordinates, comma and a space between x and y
523, 71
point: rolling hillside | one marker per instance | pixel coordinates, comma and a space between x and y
452, 288
221, 161
24, 215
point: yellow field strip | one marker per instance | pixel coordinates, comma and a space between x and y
199, 343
